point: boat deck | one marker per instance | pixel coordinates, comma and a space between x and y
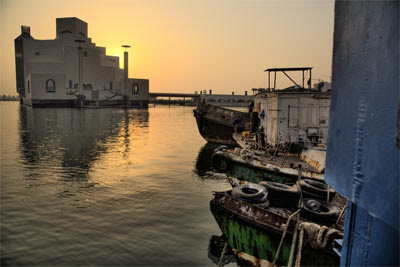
289, 161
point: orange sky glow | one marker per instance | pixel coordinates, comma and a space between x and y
187, 45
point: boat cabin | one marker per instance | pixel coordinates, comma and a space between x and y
295, 114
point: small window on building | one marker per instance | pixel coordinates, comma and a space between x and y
135, 88
70, 84
37, 54
85, 53
50, 86
29, 87
111, 87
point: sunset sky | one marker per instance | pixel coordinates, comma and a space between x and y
186, 45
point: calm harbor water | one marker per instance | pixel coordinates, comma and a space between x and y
104, 187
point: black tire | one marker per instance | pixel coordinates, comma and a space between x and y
280, 188
326, 214
315, 187
221, 148
307, 194
221, 162
282, 195
263, 205
251, 193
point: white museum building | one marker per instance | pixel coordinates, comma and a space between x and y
71, 70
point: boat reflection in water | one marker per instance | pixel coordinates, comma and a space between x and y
204, 161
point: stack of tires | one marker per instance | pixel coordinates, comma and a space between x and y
252, 193
316, 190
282, 195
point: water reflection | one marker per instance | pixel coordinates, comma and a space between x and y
204, 162
71, 140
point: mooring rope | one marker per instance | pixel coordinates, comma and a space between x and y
283, 235
300, 246
221, 259
292, 248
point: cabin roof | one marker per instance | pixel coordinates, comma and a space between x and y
289, 69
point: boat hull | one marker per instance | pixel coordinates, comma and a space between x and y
215, 124
247, 233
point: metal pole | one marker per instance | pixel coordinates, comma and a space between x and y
269, 85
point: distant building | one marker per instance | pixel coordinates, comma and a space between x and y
71, 70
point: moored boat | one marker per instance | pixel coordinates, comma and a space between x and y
258, 230
217, 124
256, 166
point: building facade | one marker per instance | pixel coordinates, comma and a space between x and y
71, 70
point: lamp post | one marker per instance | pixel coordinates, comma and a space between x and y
126, 73
79, 71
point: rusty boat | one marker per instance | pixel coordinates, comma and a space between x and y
217, 124
258, 226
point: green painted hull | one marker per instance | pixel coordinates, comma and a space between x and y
250, 238
255, 175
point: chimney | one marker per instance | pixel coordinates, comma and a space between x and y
125, 72
26, 29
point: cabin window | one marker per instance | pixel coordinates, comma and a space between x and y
70, 84
29, 87
85, 54
135, 88
87, 86
50, 86
37, 54
111, 87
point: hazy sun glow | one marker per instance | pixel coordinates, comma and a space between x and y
183, 46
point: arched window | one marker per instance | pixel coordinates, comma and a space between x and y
50, 86
135, 88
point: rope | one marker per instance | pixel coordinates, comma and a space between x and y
300, 246
340, 215
283, 235
221, 259
293, 246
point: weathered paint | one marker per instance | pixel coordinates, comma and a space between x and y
362, 157
215, 124
290, 116
255, 175
263, 244
267, 168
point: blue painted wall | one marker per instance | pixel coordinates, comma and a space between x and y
362, 158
